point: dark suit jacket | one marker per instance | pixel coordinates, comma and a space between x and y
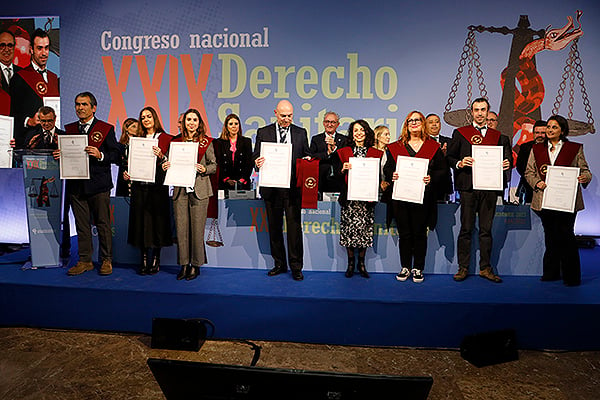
5, 85
240, 167
328, 182
35, 140
521, 165
318, 147
300, 148
460, 147
5, 90
100, 171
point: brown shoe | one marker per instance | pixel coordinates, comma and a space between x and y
80, 268
488, 274
106, 267
462, 274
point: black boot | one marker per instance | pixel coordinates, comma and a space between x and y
144, 263
183, 273
350, 270
362, 269
155, 266
193, 273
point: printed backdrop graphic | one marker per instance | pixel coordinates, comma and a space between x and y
375, 61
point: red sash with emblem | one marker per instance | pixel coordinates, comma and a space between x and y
96, 132
427, 150
36, 81
4, 103
565, 158
307, 174
472, 134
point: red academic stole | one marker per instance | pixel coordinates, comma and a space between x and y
36, 81
4, 102
472, 134
96, 132
427, 150
307, 174
565, 158
346, 152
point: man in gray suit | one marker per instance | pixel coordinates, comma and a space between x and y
287, 201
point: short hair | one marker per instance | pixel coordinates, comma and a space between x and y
124, 139
45, 110
38, 33
405, 135
331, 113
157, 125
539, 122
481, 100
201, 131
369, 134
564, 126
225, 132
10, 33
89, 95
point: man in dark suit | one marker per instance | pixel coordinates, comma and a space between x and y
90, 198
539, 134
476, 202
433, 126
7, 69
30, 85
323, 146
279, 201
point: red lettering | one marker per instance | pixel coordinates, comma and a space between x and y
151, 87
116, 89
196, 87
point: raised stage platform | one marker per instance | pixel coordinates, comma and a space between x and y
324, 308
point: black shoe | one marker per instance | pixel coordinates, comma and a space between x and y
183, 272
297, 275
362, 269
350, 271
155, 266
192, 273
144, 264
277, 270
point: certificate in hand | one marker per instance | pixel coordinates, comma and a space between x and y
276, 172
561, 189
363, 179
141, 163
183, 157
6, 134
410, 186
74, 161
487, 167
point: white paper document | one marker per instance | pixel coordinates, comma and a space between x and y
74, 161
7, 125
561, 189
276, 172
410, 186
141, 163
54, 102
363, 179
487, 167
183, 157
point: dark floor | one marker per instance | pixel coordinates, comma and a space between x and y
50, 364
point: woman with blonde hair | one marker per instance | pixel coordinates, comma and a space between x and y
234, 156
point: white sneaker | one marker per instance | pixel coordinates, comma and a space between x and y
403, 275
417, 275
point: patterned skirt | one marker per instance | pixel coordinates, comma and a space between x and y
356, 224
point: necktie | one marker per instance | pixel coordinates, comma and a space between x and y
7, 75
82, 128
47, 137
282, 135
43, 73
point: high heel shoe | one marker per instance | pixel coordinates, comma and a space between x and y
183, 272
362, 269
350, 271
155, 267
144, 263
193, 273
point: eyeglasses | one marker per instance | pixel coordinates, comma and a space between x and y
415, 121
46, 121
5, 45
330, 122
491, 119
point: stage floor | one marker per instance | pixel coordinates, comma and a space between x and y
324, 308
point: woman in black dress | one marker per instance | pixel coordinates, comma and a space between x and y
234, 156
149, 213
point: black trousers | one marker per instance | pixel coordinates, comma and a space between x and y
474, 203
291, 207
411, 219
87, 209
562, 255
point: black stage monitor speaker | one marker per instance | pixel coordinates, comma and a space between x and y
490, 348
178, 334
202, 381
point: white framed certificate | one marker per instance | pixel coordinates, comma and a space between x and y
7, 125
183, 157
276, 171
410, 186
487, 167
561, 189
74, 161
54, 102
141, 162
363, 179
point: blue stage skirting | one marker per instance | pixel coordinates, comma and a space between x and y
325, 308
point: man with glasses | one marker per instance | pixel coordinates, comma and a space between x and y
323, 146
492, 120
30, 85
476, 202
8, 69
